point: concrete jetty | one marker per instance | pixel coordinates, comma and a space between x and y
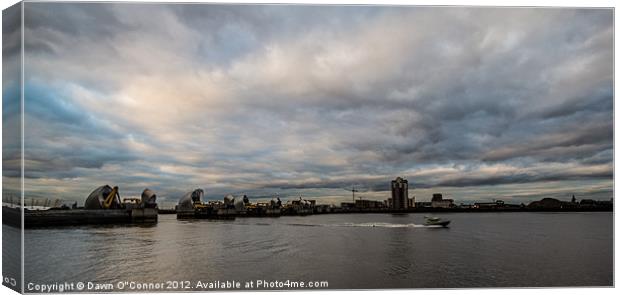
103, 206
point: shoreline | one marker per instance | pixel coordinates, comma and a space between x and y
429, 210
39, 218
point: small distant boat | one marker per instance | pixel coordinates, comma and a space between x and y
436, 221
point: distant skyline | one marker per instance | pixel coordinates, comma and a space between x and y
475, 103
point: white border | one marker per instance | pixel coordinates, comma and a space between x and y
512, 3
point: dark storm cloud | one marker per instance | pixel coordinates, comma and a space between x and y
291, 98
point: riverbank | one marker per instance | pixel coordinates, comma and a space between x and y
62, 217
426, 210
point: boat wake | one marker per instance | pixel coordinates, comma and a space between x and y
381, 224
369, 224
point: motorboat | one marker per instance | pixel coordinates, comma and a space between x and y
436, 221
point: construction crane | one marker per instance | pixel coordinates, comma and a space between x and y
353, 191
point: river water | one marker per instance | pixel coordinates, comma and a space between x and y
348, 251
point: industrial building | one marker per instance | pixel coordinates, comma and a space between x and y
439, 202
368, 204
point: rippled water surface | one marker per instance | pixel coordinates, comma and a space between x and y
347, 250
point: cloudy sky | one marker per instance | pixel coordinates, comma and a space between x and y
476, 103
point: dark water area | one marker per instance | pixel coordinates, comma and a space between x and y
11, 257
349, 251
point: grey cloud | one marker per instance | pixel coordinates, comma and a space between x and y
11, 35
290, 98
89, 21
523, 178
595, 136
